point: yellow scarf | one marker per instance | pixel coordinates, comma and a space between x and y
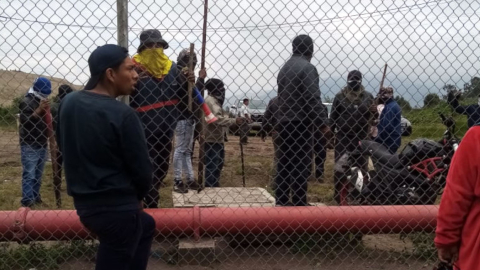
154, 61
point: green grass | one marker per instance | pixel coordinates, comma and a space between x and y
42, 255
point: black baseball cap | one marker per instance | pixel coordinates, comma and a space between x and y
103, 58
151, 36
354, 75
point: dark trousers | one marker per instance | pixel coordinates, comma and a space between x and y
294, 163
214, 159
125, 239
159, 150
344, 144
320, 153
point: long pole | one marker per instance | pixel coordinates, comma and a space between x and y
122, 32
201, 137
190, 69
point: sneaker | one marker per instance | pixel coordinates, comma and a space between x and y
180, 187
193, 185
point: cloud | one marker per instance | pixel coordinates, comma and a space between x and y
425, 43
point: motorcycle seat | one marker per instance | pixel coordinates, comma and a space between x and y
380, 154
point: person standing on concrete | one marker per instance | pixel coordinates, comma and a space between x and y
299, 113
184, 132
35, 129
352, 113
214, 147
458, 224
389, 125
245, 128
160, 90
471, 111
107, 167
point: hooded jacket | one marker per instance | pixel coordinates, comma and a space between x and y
299, 93
351, 114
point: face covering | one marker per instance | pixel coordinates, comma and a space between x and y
354, 85
37, 94
154, 61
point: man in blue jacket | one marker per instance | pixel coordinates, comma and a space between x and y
389, 126
159, 98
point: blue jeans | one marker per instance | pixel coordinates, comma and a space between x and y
182, 157
33, 162
214, 158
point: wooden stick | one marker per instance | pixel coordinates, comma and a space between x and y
204, 34
190, 69
199, 127
383, 77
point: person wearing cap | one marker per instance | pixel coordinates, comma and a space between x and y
184, 132
214, 147
159, 98
471, 111
35, 129
352, 113
389, 124
300, 112
107, 167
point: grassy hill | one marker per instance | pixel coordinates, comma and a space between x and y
14, 84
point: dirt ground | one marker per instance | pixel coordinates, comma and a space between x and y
380, 251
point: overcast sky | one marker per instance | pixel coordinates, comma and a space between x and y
425, 43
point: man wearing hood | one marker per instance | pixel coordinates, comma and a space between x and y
389, 125
352, 113
184, 132
214, 133
160, 90
300, 113
35, 129
471, 111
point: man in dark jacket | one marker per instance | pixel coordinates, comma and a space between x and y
160, 92
352, 113
107, 167
471, 111
35, 129
389, 126
299, 113
63, 90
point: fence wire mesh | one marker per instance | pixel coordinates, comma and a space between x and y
249, 175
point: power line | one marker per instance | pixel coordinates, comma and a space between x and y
244, 28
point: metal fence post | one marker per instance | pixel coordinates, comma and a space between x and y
122, 32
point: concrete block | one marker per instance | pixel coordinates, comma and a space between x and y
202, 252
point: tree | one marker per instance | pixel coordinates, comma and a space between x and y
472, 89
431, 100
327, 99
403, 103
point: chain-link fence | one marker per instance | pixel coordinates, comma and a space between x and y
252, 158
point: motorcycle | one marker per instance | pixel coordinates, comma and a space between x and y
417, 175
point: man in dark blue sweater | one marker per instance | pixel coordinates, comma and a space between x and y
389, 126
106, 161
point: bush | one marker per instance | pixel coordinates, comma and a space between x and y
431, 100
7, 113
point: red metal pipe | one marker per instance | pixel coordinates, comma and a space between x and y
26, 225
